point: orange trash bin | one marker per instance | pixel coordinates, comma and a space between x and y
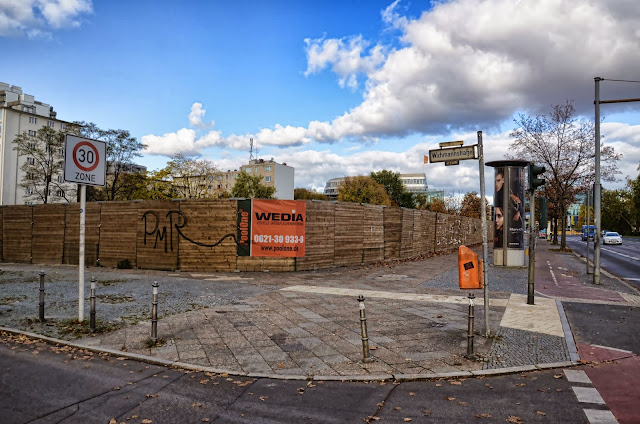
469, 269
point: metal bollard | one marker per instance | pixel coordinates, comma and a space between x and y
363, 328
470, 334
92, 313
154, 313
41, 296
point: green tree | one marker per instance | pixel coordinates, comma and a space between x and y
363, 189
617, 211
582, 218
305, 194
44, 165
634, 193
251, 187
564, 145
192, 178
396, 190
122, 149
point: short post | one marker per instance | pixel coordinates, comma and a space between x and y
41, 296
92, 298
470, 334
363, 328
154, 313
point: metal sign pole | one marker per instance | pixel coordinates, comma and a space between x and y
83, 205
596, 193
485, 247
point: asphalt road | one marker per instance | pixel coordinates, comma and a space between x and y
42, 383
620, 260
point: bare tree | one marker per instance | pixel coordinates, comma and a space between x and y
44, 167
565, 146
193, 178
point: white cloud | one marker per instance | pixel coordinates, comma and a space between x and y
183, 141
196, 115
35, 18
470, 63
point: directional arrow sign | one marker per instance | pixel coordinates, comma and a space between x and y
453, 154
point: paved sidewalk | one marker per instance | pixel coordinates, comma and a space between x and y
306, 324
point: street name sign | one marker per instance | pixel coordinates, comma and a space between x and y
451, 162
453, 154
452, 143
85, 160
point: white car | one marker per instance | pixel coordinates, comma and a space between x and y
612, 238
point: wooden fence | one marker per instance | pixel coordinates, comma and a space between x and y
198, 235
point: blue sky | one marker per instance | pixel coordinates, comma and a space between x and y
331, 88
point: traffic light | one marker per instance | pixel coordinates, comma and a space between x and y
534, 172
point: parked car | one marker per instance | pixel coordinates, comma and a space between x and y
611, 237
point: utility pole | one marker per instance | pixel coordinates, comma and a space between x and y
485, 243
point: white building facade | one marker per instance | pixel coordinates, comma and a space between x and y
20, 112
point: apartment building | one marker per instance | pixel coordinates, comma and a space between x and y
20, 112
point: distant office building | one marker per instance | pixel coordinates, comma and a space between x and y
413, 183
20, 112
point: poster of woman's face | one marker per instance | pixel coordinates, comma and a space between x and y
498, 201
515, 238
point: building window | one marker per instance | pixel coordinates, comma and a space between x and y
256, 169
33, 120
60, 179
268, 168
29, 191
267, 179
63, 127
248, 170
31, 161
32, 133
60, 192
50, 124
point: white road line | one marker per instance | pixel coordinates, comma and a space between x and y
598, 416
588, 395
552, 274
577, 376
620, 254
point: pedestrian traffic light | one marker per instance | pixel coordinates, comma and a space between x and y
534, 172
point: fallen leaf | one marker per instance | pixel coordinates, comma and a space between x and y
263, 398
205, 381
407, 419
146, 421
514, 420
541, 413
462, 403
205, 420
397, 408
455, 382
196, 405
450, 398
224, 374
113, 421
484, 416
488, 386
558, 376
426, 411
411, 394
300, 390
438, 385
373, 347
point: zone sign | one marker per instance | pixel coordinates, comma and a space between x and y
84, 160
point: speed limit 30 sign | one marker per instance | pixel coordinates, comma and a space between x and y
84, 160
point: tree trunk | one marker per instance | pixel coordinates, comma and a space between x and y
554, 224
563, 242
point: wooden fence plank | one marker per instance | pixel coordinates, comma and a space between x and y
17, 227
48, 233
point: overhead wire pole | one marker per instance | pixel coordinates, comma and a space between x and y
597, 201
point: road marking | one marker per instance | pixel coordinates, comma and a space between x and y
555, 280
588, 395
577, 376
621, 254
633, 279
598, 416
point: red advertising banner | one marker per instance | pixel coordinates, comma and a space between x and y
277, 228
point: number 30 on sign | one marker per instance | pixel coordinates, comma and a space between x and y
84, 161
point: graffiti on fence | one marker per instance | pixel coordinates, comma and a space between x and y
153, 230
